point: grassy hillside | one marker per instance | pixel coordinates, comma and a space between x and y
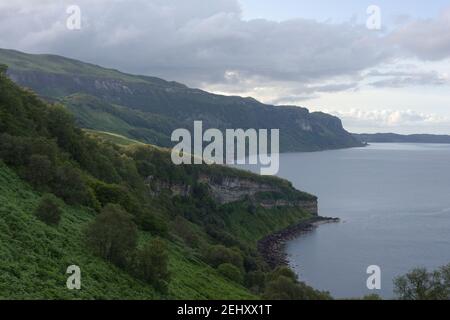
87, 198
149, 109
35, 257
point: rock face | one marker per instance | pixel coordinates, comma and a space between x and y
309, 206
234, 189
157, 187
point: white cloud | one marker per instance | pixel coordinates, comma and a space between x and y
388, 118
398, 79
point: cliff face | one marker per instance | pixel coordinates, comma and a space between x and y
234, 189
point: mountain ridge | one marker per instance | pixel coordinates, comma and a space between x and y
401, 138
166, 105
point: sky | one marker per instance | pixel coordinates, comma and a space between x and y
381, 66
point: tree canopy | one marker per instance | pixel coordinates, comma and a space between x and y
3, 68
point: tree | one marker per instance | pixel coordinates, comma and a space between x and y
219, 254
283, 285
182, 228
282, 271
231, 272
255, 281
49, 210
39, 171
419, 284
70, 186
113, 235
3, 69
151, 264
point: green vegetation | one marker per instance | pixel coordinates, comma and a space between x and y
35, 257
58, 65
283, 285
49, 210
70, 197
3, 69
150, 264
111, 137
113, 235
421, 284
231, 272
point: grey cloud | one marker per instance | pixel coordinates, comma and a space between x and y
192, 41
303, 93
208, 44
427, 39
398, 79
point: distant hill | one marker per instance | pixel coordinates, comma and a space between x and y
398, 138
148, 109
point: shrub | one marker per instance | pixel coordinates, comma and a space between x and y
219, 254
49, 210
70, 186
419, 284
282, 271
151, 264
39, 171
3, 69
231, 272
113, 234
182, 228
283, 285
14, 151
153, 223
255, 281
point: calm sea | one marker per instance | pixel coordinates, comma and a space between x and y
394, 202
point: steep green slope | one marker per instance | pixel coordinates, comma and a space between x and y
200, 248
148, 108
35, 258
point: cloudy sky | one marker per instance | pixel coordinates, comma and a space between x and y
328, 55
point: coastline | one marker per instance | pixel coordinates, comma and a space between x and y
272, 246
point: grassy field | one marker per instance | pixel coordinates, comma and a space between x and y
112, 137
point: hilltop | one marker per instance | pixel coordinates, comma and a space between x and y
148, 109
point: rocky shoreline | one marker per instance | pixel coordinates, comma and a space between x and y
272, 247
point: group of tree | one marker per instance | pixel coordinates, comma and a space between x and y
421, 284
114, 236
282, 284
43, 145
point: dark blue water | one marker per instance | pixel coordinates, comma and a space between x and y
394, 202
